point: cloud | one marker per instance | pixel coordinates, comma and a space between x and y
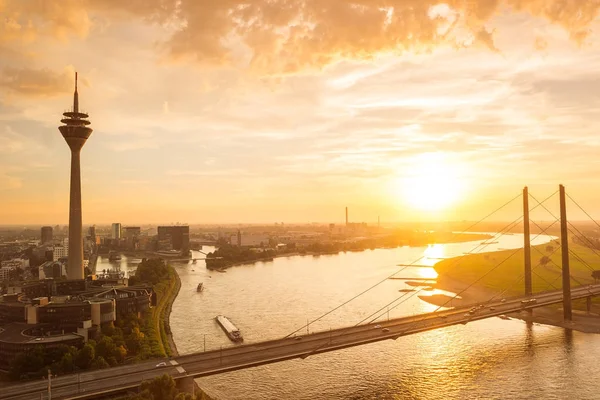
11, 141
135, 145
283, 36
286, 36
36, 82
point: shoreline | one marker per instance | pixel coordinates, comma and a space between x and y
169, 307
334, 253
582, 321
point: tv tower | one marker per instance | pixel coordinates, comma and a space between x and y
75, 131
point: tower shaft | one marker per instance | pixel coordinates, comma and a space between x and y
75, 263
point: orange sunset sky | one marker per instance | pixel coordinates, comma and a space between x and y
289, 110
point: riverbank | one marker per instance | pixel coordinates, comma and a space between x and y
167, 314
504, 282
456, 238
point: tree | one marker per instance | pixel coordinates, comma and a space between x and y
596, 275
549, 248
66, 364
105, 348
99, 363
162, 387
544, 260
134, 340
184, 396
85, 356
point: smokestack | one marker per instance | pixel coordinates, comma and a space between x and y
346, 216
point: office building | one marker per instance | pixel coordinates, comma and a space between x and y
178, 235
46, 234
116, 231
76, 132
131, 232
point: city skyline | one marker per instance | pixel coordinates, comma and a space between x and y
196, 133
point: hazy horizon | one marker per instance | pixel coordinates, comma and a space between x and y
237, 113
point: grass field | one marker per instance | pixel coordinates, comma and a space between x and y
166, 290
508, 276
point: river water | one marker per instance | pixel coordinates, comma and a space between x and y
489, 359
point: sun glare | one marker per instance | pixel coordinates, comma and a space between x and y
432, 183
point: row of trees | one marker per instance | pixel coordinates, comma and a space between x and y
163, 388
132, 339
227, 254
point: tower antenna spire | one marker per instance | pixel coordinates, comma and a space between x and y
76, 97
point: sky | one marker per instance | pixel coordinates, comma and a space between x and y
290, 110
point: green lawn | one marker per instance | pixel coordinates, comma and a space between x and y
509, 275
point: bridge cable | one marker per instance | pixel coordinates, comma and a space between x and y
496, 295
571, 276
400, 270
585, 212
574, 227
456, 261
503, 261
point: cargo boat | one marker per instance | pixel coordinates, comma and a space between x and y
230, 329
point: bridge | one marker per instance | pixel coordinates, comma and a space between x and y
94, 384
89, 385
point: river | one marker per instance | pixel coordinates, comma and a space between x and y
489, 359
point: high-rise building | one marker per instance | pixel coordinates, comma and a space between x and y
46, 234
92, 231
76, 132
116, 231
131, 231
179, 235
131, 235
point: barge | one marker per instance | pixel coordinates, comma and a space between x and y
230, 329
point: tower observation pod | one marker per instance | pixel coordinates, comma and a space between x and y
75, 131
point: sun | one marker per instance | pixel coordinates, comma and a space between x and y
431, 183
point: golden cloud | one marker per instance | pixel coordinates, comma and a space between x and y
36, 82
289, 35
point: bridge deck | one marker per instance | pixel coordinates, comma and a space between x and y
89, 384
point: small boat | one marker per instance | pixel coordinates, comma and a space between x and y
200, 287
503, 316
489, 242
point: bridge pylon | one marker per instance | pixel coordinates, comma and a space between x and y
527, 243
564, 243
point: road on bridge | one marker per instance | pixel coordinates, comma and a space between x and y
88, 384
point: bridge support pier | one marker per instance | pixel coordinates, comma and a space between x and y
588, 304
564, 241
186, 384
527, 243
